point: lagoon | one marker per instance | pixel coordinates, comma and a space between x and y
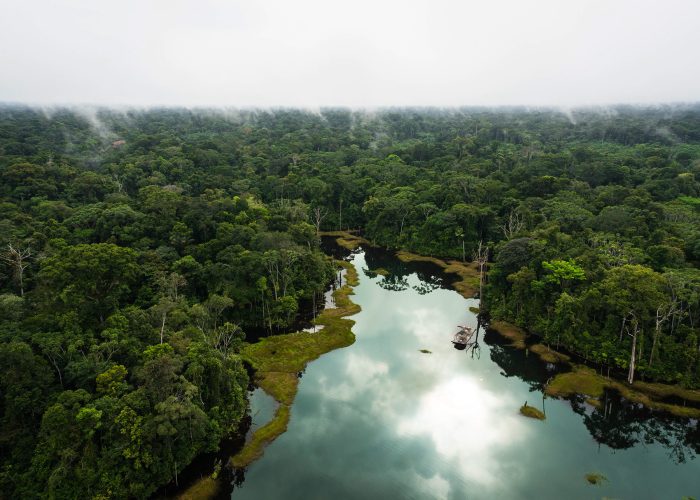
381, 419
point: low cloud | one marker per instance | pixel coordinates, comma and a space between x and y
360, 54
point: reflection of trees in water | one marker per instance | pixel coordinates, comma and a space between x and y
621, 424
617, 423
430, 276
238, 477
394, 283
399, 282
425, 287
369, 273
516, 363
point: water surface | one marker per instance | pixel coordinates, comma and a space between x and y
382, 420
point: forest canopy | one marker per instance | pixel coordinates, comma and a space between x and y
141, 248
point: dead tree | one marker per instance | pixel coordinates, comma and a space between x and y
634, 333
481, 256
225, 336
18, 259
318, 214
169, 285
663, 313
513, 224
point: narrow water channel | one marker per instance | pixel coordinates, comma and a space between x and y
382, 420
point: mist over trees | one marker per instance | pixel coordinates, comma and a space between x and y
138, 249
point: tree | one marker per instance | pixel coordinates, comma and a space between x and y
512, 224
633, 292
89, 279
563, 272
481, 257
18, 259
318, 214
180, 236
170, 285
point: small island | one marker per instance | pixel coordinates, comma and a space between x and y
531, 412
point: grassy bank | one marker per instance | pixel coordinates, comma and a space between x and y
347, 239
468, 283
380, 271
586, 381
515, 334
266, 434
548, 355
277, 360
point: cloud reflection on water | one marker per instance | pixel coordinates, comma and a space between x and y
468, 424
437, 398
382, 420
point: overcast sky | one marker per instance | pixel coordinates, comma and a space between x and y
352, 53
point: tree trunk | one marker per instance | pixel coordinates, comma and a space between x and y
162, 327
633, 357
657, 329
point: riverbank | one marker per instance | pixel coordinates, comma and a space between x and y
347, 411
584, 380
468, 283
580, 379
277, 361
347, 239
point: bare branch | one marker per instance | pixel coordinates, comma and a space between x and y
18, 259
513, 224
318, 214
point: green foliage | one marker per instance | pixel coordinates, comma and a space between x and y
150, 257
563, 271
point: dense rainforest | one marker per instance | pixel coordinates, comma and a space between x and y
140, 248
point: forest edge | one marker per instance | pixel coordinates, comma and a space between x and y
277, 362
580, 379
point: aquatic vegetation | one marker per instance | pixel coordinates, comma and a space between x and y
581, 380
347, 239
206, 487
262, 437
277, 360
514, 333
595, 478
531, 412
468, 283
584, 380
547, 354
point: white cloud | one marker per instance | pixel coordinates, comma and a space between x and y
468, 424
361, 53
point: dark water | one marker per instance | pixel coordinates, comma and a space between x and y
381, 420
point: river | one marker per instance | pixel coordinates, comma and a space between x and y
382, 420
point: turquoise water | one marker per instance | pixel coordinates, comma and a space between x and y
262, 407
381, 420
